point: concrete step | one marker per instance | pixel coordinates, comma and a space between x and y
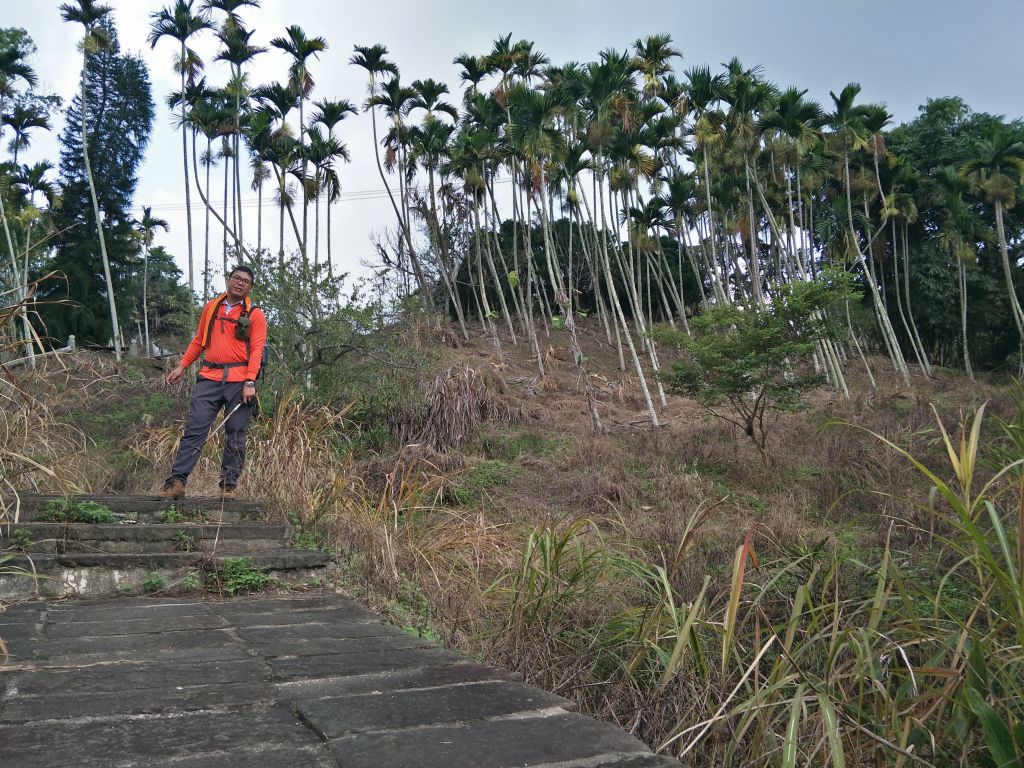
130, 538
143, 509
92, 574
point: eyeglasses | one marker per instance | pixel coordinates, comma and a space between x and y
240, 279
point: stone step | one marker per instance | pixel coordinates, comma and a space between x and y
143, 509
150, 538
91, 574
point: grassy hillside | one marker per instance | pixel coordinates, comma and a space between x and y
838, 604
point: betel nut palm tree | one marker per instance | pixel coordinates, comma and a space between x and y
146, 228
301, 48
13, 70
329, 114
995, 168
181, 23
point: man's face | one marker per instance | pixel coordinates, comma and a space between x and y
239, 285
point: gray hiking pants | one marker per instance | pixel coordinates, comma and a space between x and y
208, 399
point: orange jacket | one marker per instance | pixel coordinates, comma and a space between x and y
216, 337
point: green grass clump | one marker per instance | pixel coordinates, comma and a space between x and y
184, 541
20, 539
306, 540
154, 582
240, 575
471, 487
511, 447
172, 515
77, 511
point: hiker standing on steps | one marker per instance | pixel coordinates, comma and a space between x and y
231, 337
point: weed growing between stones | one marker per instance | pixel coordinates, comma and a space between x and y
77, 511
154, 582
238, 575
306, 540
20, 539
184, 541
171, 515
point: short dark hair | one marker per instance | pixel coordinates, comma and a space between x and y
243, 268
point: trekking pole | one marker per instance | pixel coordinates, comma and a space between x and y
218, 428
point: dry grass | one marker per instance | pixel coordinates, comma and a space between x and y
458, 401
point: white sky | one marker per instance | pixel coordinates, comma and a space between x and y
901, 52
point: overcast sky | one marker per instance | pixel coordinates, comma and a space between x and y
902, 52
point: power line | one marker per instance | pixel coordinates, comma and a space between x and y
268, 201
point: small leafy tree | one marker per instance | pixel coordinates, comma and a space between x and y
744, 362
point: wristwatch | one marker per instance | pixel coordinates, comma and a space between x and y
250, 383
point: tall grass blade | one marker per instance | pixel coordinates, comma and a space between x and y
733, 606
789, 744
835, 740
997, 735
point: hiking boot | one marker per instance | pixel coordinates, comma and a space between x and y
227, 493
173, 489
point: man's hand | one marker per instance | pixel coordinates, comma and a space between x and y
248, 392
175, 376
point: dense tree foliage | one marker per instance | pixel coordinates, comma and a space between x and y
119, 121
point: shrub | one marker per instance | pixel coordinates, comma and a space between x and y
749, 360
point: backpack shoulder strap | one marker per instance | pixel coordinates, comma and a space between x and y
206, 320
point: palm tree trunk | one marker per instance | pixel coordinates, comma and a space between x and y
562, 297
188, 186
899, 363
206, 238
282, 188
145, 299
620, 316
224, 242
238, 172
330, 261
484, 305
420, 278
259, 217
962, 283
316, 232
115, 326
899, 297
1018, 314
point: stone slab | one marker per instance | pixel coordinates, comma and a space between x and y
157, 624
457, 673
322, 646
22, 708
302, 667
284, 618
506, 743
288, 633
207, 644
140, 676
342, 715
150, 740
239, 757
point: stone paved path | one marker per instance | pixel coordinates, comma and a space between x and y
293, 681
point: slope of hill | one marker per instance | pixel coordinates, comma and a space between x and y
642, 572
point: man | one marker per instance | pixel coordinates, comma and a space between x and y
231, 336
